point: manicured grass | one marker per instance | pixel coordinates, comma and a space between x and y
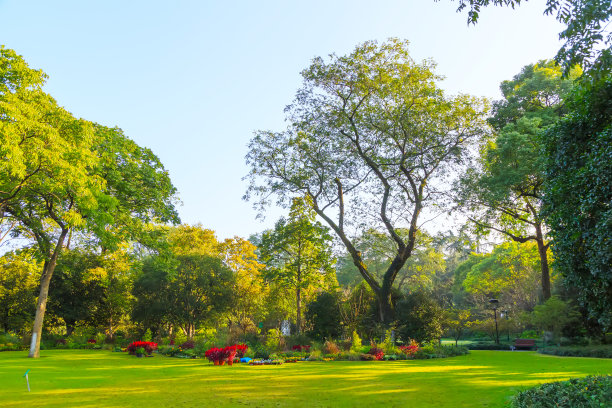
71, 378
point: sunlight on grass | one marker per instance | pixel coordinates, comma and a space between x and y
483, 378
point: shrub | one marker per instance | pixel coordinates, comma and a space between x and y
410, 349
378, 353
189, 344
315, 355
356, 342
590, 351
241, 350
433, 350
214, 354
148, 347
367, 357
592, 391
274, 340
261, 352
488, 346
330, 348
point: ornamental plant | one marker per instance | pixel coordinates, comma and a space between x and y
411, 348
148, 347
189, 344
241, 350
229, 353
378, 353
213, 354
305, 348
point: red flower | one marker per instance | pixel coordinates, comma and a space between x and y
149, 346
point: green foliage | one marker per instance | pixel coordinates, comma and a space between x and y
274, 340
370, 134
435, 350
188, 291
511, 273
355, 342
19, 274
554, 315
323, 317
578, 196
505, 193
591, 391
419, 317
297, 253
587, 34
602, 351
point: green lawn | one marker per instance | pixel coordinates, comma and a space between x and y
81, 378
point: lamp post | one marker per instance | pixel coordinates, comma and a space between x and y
504, 313
494, 303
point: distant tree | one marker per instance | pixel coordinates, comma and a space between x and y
504, 193
587, 33
76, 290
189, 291
456, 322
419, 317
19, 273
371, 141
323, 317
356, 303
297, 252
509, 273
554, 315
239, 255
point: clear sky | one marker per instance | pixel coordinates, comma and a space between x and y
193, 79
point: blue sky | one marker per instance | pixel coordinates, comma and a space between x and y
193, 79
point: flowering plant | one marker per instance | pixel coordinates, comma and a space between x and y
91, 341
148, 346
376, 352
241, 349
213, 354
229, 353
305, 348
411, 348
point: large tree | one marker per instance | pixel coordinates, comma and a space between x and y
61, 174
578, 197
371, 142
504, 193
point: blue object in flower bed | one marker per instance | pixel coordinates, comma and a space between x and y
245, 359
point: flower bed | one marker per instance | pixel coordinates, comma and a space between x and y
229, 354
147, 346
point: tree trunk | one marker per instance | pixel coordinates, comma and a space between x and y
41, 306
70, 328
298, 320
542, 249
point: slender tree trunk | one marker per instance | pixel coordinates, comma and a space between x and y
542, 249
41, 306
298, 320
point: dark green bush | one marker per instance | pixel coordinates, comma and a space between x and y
261, 352
433, 350
588, 351
488, 346
587, 392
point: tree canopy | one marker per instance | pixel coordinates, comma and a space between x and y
588, 38
372, 140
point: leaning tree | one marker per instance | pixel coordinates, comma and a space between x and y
372, 142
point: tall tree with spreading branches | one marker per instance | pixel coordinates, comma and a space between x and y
372, 141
